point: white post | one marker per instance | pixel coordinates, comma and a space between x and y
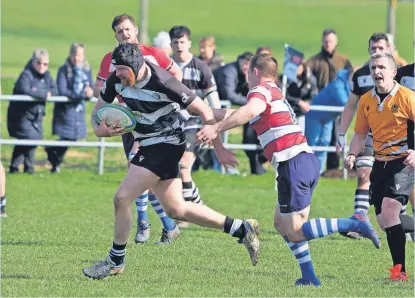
143, 29
343, 155
101, 157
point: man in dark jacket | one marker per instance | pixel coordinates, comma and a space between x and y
231, 81
25, 119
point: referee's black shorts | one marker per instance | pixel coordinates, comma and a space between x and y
391, 179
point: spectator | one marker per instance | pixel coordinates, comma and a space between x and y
207, 50
2, 192
263, 50
25, 119
231, 80
299, 94
162, 41
324, 67
399, 60
319, 124
208, 54
268, 50
75, 82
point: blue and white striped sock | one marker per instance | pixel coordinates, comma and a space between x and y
321, 227
168, 223
302, 254
141, 204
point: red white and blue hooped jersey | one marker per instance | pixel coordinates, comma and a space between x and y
277, 127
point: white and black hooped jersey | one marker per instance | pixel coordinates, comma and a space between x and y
362, 81
156, 101
197, 77
405, 76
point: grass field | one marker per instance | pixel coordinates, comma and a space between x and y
59, 223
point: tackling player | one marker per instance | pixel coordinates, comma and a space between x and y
286, 147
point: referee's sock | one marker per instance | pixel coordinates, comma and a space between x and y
396, 241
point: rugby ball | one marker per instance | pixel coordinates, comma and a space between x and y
114, 113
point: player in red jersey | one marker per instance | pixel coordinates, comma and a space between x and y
126, 31
298, 168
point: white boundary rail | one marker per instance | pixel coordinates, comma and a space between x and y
101, 144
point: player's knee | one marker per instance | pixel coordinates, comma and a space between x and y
122, 198
363, 175
390, 209
278, 226
175, 212
294, 236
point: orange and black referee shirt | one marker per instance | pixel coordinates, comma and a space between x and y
388, 120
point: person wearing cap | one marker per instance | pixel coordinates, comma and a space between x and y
156, 96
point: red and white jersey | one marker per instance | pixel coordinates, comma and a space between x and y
277, 128
151, 54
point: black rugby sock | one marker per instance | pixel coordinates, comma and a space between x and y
396, 241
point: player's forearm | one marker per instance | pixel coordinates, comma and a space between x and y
97, 88
357, 143
176, 72
348, 113
237, 118
94, 119
221, 114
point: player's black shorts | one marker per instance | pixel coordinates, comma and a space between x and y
128, 142
390, 179
191, 145
161, 159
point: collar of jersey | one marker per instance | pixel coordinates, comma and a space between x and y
392, 93
183, 64
146, 80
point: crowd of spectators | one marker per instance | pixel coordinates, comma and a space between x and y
323, 79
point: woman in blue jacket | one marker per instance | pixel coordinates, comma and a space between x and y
75, 82
319, 124
25, 119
